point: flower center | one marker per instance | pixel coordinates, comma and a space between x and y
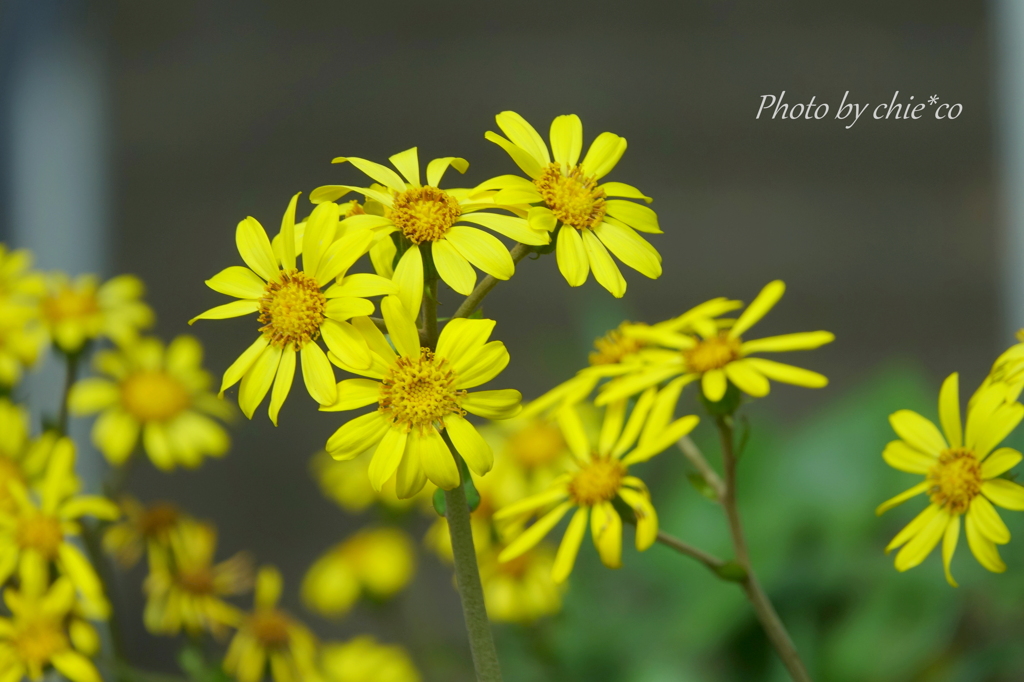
598, 481
515, 568
292, 310
424, 214
153, 396
537, 444
270, 627
158, 520
69, 304
41, 533
613, 348
575, 199
713, 353
955, 480
419, 391
38, 640
197, 581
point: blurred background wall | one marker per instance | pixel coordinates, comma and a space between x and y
192, 115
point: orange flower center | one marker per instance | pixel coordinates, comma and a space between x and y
292, 310
153, 396
713, 353
197, 581
41, 533
575, 199
158, 520
68, 304
598, 481
537, 444
613, 348
955, 480
270, 627
38, 640
418, 392
424, 214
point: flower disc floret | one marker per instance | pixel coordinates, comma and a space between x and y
292, 310
573, 197
418, 392
38, 639
154, 396
270, 628
598, 481
424, 214
614, 347
713, 353
40, 532
67, 303
955, 480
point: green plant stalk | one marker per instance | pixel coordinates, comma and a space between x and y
476, 297
70, 374
467, 572
766, 614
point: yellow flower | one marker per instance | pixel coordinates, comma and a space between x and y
567, 198
17, 281
83, 310
961, 477
380, 561
22, 459
718, 356
36, 535
601, 474
1007, 370
142, 527
294, 311
419, 393
364, 660
268, 635
22, 339
42, 632
347, 483
437, 218
185, 588
520, 590
160, 394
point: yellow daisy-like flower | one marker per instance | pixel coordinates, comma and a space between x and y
17, 280
22, 459
268, 635
37, 534
717, 356
22, 339
143, 527
419, 393
185, 589
436, 221
961, 477
347, 484
520, 590
379, 561
78, 311
1007, 371
42, 632
293, 308
161, 394
601, 474
567, 198
363, 659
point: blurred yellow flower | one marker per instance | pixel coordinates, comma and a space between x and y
18, 282
567, 198
269, 636
379, 561
1007, 371
719, 355
347, 483
601, 475
425, 214
185, 589
160, 394
143, 527
520, 590
364, 660
22, 459
293, 308
37, 534
961, 477
419, 393
22, 339
42, 632
78, 311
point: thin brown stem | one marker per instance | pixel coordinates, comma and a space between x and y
476, 297
770, 621
713, 563
696, 457
379, 323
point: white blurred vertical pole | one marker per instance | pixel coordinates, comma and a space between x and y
1008, 32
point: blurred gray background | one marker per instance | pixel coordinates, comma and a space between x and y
137, 134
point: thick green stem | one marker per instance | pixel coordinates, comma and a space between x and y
476, 297
770, 621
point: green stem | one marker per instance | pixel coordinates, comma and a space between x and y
770, 621
476, 297
70, 374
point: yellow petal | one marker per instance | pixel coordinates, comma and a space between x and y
570, 546
288, 235
363, 285
713, 384
662, 441
355, 393
949, 410
340, 256
949, 540
318, 375
437, 460
633, 215
606, 272
512, 227
983, 549
611, 426
899, 455
646, 517
606, 528
462, 339
387, 456
240, 366
381, 174
498, 404
401, 326
902, 497
437, 167
408, 164
567, 139
469, 443
535, 533
92, 395
482, 250
1006, 494
410, 477
282, 383
572, 256
574, 433
747, 378
988, 520
75, 667
639, 417
788, 374
357, 435
115, 434
269, 585
375, 340
541, 219
992, 432
918, 432
409, 280
238, 282
605, 151
621, 189
321, 228
630, 248
921, 545
258, 379
999, 462
254, 247
523, 135
520, 156
758, 308
487, 364
184, 354
453, 268
788, 342
228, 310
348, 345
526, 506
